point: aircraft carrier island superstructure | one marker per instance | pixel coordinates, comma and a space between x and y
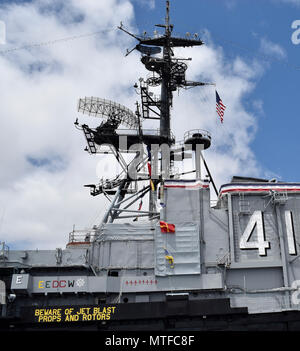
176, 263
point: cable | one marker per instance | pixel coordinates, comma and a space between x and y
51, 42
218, 38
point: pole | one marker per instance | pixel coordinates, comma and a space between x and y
166, 94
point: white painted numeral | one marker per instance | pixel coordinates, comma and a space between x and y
261, 244
290, 233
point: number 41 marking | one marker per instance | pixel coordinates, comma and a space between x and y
261, 244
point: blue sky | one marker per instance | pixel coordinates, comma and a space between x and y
239, 26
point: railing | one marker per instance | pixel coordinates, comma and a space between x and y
155, 132
190, 133
81, 236
4, 249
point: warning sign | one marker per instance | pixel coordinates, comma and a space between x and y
73, 314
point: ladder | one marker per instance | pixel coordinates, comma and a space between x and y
90, 139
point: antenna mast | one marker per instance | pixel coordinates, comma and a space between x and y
166, 93
169, 72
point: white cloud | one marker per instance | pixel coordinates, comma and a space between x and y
258, 105
230, 152
148, 3
272, 49
42, 160
39, 92
231, 4
292, 2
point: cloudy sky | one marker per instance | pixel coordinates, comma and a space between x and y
57, 51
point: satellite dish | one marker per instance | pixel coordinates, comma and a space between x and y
109, 110
148, 50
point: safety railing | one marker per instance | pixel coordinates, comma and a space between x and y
81, 237
192, 132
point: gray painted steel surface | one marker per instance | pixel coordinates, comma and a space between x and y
214, 253
245, 248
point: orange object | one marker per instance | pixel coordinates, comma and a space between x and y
167, 227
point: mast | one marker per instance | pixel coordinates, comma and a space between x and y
166, 94
167, 71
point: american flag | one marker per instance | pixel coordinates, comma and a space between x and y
140, 207
220, 107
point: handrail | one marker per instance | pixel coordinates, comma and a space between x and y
190, 133
82, 236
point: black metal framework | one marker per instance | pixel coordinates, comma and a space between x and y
108, 110
168, 72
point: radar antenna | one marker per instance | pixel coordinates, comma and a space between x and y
109, 110
168, 72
